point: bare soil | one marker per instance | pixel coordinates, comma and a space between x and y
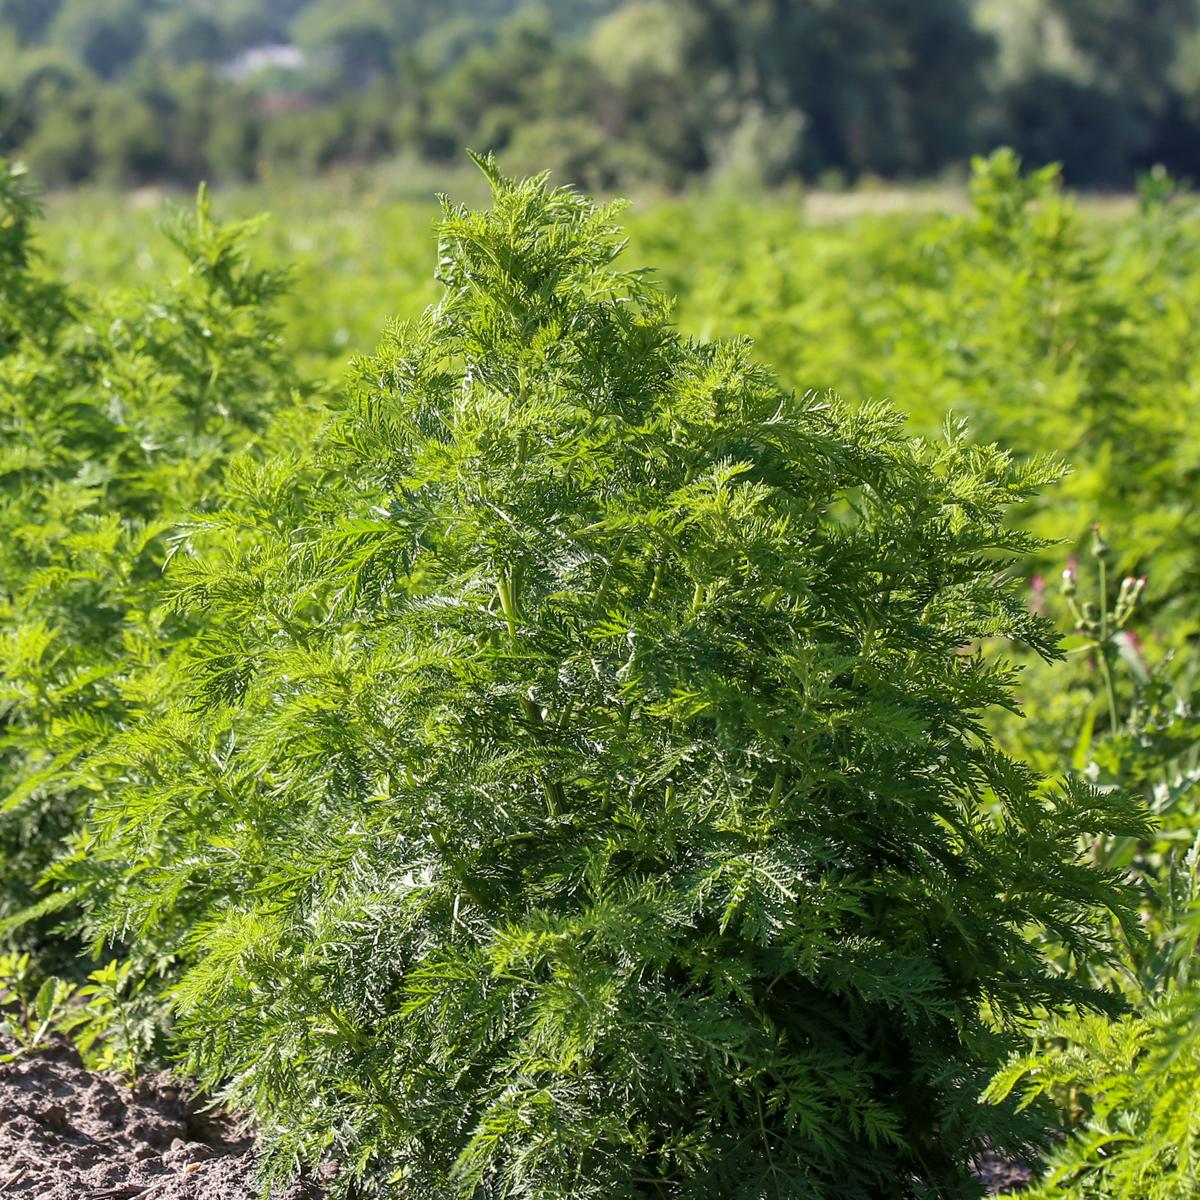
999, 1175
69, 1134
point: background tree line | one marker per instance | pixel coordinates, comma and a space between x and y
612, 93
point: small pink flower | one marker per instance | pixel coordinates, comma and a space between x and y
1037, 595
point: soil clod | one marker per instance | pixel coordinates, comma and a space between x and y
69, 1134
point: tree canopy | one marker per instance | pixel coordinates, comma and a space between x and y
612, 91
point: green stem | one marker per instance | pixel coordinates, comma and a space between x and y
776, 789
655, 585
1109, 690
1105, 648
361, 1042
504, 590
1103, 601
608, 572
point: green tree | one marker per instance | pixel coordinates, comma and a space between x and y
29, 18
496, 88
183, 35
1093, 85
130, 134
646, 99
1130, 46
883, 85
355, 38
104, 35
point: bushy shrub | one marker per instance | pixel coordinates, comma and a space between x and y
1043, 327
1128, 1088
115, 415
1132, 1084
578, 787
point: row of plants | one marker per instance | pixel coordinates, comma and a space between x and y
567, 760
118, 415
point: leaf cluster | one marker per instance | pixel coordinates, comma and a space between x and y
108, 1020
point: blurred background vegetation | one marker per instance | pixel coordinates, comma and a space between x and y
611, 93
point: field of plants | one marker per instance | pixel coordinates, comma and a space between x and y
540, 699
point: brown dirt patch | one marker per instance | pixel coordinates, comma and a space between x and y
999, 1175
69, 1134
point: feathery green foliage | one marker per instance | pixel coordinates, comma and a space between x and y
115, 415
1043, 327
579, 786
1128, 1088
1134, 1081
